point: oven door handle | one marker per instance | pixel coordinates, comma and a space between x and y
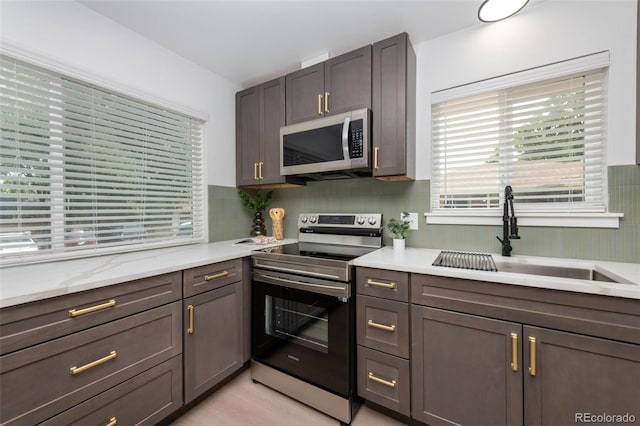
342, 292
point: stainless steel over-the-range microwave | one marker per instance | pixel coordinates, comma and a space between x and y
339, 142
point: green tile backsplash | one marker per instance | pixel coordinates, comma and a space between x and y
228, 219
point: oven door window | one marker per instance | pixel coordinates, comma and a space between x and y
297, 322
304, 334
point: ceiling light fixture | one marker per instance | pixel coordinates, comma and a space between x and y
496, 10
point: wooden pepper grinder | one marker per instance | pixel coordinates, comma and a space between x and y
277, 214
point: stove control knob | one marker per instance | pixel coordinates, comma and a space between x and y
372, 220
360, 220
303, 219
313, 219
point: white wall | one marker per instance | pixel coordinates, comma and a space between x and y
70, 36
544, 33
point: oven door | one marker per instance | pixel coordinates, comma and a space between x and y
303, 333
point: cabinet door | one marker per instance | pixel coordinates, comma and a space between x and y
43, 380
272, 112
145, 399
578, 376
347, 82
393, 107
247, 136
305, 94
213, 342
463, 371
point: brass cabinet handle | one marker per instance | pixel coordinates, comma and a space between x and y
514, 351
190, 309
326, 101
255, 171
320, 104
390, 285
370, 323
77, 312
376, 153
260, 170
391, 384
214, 276
78, 370
112, 421
532, 356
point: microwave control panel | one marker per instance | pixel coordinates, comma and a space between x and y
356, 141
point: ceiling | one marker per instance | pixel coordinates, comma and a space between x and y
248, 42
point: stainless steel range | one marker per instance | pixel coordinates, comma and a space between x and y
303, 311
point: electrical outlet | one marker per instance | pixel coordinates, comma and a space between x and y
413, 219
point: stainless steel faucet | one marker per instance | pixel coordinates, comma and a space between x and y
509, 223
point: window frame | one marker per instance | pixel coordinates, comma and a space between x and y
551, 215
198, 185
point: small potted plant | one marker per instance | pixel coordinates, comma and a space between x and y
400, 230
257, 203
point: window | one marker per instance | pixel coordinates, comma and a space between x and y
544, 136
84, 170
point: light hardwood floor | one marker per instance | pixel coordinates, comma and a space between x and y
244, 403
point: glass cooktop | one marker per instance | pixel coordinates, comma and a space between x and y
319, 250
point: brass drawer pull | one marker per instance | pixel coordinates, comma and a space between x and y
214, 276
514, 351
390, 286
391, 384
381, 326
77, 312
190, 309
112, 421
78, 370
376, 153
532, 356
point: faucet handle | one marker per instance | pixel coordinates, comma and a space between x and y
514, 228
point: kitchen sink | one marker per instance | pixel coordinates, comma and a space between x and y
556, 271
486, 262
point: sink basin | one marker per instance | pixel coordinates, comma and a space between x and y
555, 271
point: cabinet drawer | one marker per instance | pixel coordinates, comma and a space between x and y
44, 380
392, 285
142, 400
383, 325
32, 323
384, 380
208, 277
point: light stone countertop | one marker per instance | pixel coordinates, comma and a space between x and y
420, 261
28, 283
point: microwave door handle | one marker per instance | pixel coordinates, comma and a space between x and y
345, 138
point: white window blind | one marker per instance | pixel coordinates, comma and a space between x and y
84, 170
546, 139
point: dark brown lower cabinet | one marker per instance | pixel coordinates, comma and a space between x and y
213, 343
143, 400
572, 379
463, 369
43, 380
472, 370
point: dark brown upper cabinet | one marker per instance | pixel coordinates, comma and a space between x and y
335, 86
638, 90
394, 109
260, 112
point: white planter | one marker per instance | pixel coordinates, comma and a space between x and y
398, 244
